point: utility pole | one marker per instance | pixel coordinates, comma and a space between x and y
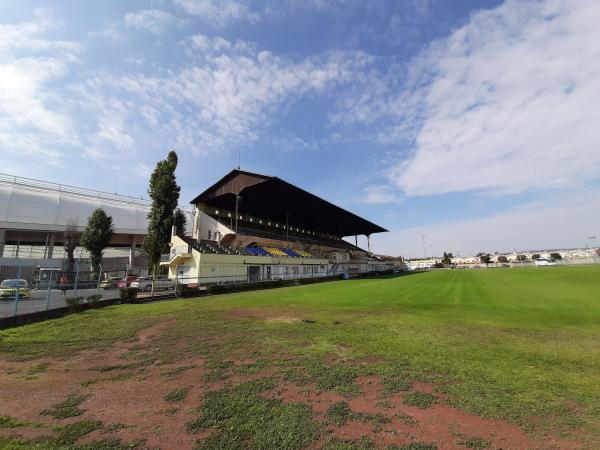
423, 242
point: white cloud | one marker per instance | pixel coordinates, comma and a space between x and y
219, 13
152, 20
110, 32
32, 118
510, 103
380, 194
24, 36
562, 223
226, 99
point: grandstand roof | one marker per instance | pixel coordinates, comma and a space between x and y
273, 198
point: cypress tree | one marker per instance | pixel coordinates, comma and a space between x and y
164, 192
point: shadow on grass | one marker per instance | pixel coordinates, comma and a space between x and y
388, 276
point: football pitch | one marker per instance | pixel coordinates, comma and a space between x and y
496, 358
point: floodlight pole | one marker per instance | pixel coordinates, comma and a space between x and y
287, 228
237, 199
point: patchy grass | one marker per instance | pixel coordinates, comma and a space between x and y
337, 444
113, 367
394, 385
64, 437
413, 446
12, 422
338, 413
177, 372
514, 344
67, 408
419, 399
242, 419
216, 375
475, 443
333, 377
68, 434
177, 395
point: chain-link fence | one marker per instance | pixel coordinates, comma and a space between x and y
28, 286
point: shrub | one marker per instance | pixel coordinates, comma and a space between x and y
93, 299
74, 303
183, 290
128, 295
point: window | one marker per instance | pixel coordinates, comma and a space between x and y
209, 236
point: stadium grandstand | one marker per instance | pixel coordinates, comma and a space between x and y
249, 227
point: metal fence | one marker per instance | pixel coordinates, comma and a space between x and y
209, 275
28, 286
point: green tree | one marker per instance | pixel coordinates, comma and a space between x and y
180, 222
502, 259
96, 236
536, 256
555, 256
447, 259
521, 258
484, 257
164, 192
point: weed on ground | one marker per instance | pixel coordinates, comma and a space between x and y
67, 408
419, 399
177, 395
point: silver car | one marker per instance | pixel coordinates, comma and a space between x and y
145, 283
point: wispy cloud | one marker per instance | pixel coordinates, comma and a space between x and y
110, 32
219, 13
152, 20
380, 194
227, 97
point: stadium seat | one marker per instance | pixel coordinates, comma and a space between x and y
290, 252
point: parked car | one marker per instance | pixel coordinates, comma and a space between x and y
161, 283
8, 289
126, 282
110, 283
545, 262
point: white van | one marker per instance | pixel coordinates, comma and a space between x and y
545, 262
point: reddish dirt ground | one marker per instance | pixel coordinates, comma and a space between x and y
135, 398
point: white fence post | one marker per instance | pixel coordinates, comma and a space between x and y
76, 279
17, 291
50, 290
99, 276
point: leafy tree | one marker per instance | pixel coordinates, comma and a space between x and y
447, 259
521, 258
179, 222
555, 256
536, 256
70, 238
598, 252
484, 258
97, 234
164, 192
502, 259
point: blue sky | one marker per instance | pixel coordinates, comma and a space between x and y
472, 123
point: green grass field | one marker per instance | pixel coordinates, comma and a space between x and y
521, 345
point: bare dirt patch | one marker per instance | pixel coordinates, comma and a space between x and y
129, 397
